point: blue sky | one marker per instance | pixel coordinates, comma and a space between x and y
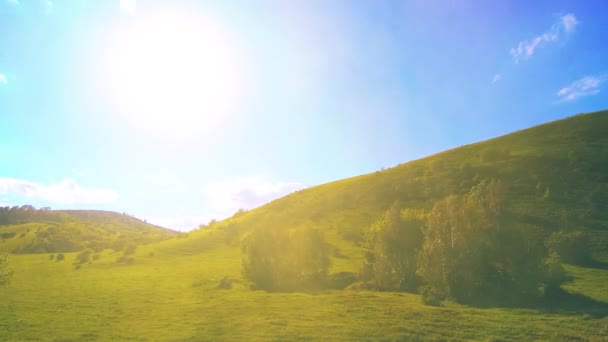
183, 111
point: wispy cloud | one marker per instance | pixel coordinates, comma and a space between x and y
64, 192
181, 223
3, 79
586, 86
128, 6
526, 48
246, 193
569, 22
496, 78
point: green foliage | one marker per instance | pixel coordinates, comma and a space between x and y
5, 272
64, 231
472, 254
571, 246
283, 260
60, 257
391, 248
84, 256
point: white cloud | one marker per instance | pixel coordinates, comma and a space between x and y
3, 79
128, 6
181, 223
246, 193
586, 86
64, 192
569, 22
496, 78
226, 197
526, 48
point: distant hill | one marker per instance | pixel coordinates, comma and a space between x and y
27, 230
556, 175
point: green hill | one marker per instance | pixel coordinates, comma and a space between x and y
27, 230
190, 287
556, 175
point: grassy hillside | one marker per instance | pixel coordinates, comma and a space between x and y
26, 230
556, 175
190, 287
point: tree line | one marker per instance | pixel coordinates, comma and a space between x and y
466, 248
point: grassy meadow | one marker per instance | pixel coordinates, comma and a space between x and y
175, 297
190, 287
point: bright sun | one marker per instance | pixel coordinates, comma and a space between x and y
172, 74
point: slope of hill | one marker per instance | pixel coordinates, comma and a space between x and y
26, 230
556, 175
190, 288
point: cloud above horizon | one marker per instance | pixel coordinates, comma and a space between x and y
586, 86
526, 48
246, 193
64, 192
496, 78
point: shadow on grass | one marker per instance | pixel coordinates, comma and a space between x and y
564, 302
556, 301
596, 264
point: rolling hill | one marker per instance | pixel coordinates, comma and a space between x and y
189, 287
556, 176
27, 230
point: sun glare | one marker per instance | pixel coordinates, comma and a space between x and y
172, 74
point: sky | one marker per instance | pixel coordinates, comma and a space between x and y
179, 112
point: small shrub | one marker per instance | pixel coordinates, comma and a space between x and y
429, 296
52, 257
84, 256
60, 257
225, 283
361, 286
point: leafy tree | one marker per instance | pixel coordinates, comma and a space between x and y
571, 246
391, 247
281, 260
5, 272
472, 254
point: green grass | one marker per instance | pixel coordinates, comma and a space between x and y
170, 292
173, 297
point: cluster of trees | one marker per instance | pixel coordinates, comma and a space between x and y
24, 214
285, 260
465, 249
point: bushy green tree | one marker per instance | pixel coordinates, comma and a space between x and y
472, 254
6, 273
392, 244
571, 246
281, 260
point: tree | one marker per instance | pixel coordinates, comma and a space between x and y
5, 272
571, 246
391, 247
282, 260
472, 254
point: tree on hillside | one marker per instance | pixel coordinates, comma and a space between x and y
281, 260
391, 247
571, 246
5, 272
472, 254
